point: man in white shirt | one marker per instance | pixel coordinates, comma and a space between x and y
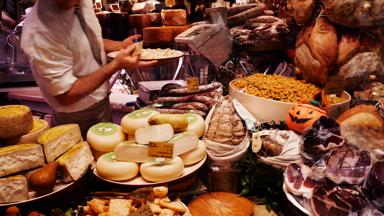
67, 54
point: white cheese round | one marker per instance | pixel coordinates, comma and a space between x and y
196, 124
156, 172
105, 136
154, 133
137, 119
108, 168
195, 155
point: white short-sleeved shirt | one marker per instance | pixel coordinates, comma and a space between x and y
60, 53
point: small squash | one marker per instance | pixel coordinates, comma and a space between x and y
302, 116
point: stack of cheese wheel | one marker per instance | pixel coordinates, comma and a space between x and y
38, 127
129, 158
15, 121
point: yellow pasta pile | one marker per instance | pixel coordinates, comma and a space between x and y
277, 88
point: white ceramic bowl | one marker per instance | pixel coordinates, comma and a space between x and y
270, 110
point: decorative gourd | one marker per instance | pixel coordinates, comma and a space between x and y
302, 116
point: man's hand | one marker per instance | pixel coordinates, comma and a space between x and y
130, 40
126, 59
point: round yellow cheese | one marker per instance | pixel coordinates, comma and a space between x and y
38, 127
195, 155
108, 168
196, 124
156, 172
105, 136
15, 120
137, 119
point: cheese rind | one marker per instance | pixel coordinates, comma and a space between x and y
59, 139
39, 126
174, 17
196, 124
195, 155
154, 133
13, 189
20, 157
75, 162
132, 152
184, 142
105, 136
135, 120
109, 168
156, 172
15, 120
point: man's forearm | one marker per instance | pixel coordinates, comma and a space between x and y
111, 45
87, 84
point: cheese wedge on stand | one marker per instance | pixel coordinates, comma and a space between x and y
17, 158
39, 126
58, 140
13, 189
154, 133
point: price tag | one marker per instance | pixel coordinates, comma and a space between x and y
160, 150
334, 85
144, 210
192, 83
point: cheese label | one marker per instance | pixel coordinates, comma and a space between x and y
334, 85
192, 83
104, 129
144, 210
141, 113
160, 150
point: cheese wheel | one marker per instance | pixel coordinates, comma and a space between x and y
155, 172
108, 168
195, 155
196, 124
156, 35
105, 136
15, 120
139, 21
174, 17
154, 133
176, 30
137, 119
38, 127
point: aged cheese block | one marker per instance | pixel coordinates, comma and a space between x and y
39, 126
155, 35
196, 124
156, 172
75, 161
130, 151
13, 189
109, 168
221, 204
174, 17
176, 30
15, 120
104, 137
139, 21
137, 119
154, 133
58, 140
20, 157
195, 155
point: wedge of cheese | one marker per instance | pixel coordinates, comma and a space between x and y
39, 126
15, 120
58, 140
13, 189
75, 162
130, 151
184, 142
154, 133
20, 157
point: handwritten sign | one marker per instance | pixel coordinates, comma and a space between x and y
160, 150
192, 83
144, 210
334, 85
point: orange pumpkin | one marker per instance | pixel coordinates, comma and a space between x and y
302, 116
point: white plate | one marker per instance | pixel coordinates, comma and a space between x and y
139, 181
291, 198
178, 54
57, 189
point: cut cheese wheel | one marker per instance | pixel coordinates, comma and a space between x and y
137, 119
155, 35
195, 155
132, 152
196, 124
15, 120
156, 172
174, 17
105, 136
139, 21
109, 168
184, 142
154, 133
39, 126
